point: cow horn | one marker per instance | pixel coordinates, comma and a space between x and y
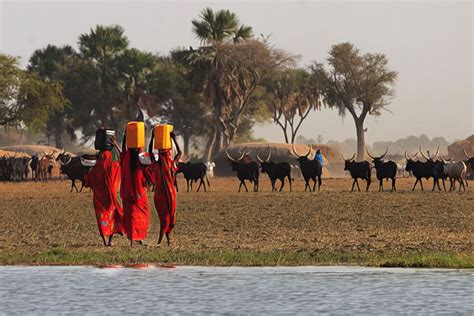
258, 158
69, 160
296, 153
349, 158
369, 153
269, 154
436, 154
406, 156
228, 156
381, 157
465, 154
424, 156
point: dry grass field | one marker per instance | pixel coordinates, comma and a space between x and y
43, 223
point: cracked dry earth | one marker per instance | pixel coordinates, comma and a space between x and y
35, 217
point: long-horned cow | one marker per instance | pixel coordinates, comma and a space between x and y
469, 161
310, 169
280, 170
384, 169
73, 168
438, 169
245, 171
358, 170
455, 171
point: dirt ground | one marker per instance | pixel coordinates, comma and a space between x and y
35, 217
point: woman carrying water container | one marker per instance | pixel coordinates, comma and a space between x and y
164, 173
133, 189
104, 180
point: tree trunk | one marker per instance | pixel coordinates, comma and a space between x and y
218, 142
360, 139
58, 138
186, 140
210, 145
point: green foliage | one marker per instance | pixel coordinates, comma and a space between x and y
360, 84
25, 97
11, 80
40, 98
217, 27
292, 94
242, 258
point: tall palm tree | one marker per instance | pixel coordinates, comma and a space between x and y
102, 47
218, 27
214, 29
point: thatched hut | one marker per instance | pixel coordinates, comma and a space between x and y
280, 153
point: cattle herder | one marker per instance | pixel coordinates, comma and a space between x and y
164, 169
104, 180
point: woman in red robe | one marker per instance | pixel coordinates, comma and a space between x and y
104, 180
133, 190
164, 173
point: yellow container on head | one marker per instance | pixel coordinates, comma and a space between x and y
162, 137
135, 135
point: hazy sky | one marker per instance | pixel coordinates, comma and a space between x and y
430, 44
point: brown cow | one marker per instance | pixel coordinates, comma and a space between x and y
44, 163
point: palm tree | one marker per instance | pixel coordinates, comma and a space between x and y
102, 47
219, 27
214, 29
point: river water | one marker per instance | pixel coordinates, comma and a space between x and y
203, 290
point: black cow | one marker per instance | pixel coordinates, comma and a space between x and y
3, 169
384, 170
34, 167
310, 169
469, 162
275, 171
73, 168
358, 170
425, 169
245, 171
193, 171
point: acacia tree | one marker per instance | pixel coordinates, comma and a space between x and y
360, 84
245, 65
293, 96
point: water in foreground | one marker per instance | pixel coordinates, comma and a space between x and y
193, 290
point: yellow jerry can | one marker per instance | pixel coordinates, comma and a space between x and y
135, 135
162, 137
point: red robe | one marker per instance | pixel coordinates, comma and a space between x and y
104, 180
164, 172
133, 190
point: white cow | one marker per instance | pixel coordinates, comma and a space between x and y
456, 171
210, 165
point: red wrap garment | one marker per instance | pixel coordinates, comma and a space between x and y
133, 190
164, 172
104, 180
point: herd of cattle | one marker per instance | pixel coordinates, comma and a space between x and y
16, 168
